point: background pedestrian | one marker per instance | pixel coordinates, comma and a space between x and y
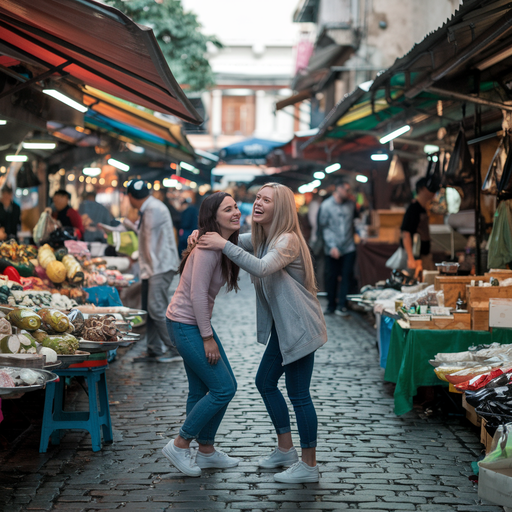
158, 262
336, 223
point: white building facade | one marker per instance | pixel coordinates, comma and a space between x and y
253, 71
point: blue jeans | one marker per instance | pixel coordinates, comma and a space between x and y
298, 379
210, 387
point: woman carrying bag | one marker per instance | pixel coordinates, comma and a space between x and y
289, 322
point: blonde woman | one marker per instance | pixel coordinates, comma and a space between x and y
289, 322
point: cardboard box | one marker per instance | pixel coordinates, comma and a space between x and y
457, 321
471, 414
500, 313
485, 438
495, 485
480, 316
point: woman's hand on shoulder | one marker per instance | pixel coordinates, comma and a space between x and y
211, 241
192, 238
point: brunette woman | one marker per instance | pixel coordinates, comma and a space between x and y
289, 322
212, 384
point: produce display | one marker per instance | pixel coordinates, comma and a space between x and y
100, 328
59, 265
65, 344
54, 320
31, 298
56, 272
18, 344
45, 332
26, 319
45, 255
76, 317
5, 290
21, 257
74, 272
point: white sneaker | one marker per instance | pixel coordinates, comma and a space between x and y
299, 473
278, 458
181, 459
218, 459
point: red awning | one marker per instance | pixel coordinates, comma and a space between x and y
97, 45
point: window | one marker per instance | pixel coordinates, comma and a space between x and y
238, 115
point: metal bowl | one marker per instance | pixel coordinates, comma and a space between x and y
20, 390
78, 357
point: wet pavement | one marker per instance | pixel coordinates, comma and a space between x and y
369, 458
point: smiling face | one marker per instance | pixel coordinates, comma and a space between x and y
263, 208
228, 217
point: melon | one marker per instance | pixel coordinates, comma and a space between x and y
56, 271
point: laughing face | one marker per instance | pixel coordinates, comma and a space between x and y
228, 217
263, 208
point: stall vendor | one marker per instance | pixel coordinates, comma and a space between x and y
10, 214
68, 217
416, 221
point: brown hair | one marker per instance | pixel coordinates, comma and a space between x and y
207, 223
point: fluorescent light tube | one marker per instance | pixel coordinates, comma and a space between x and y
395, 134
16, 158
39, 145
189, 167
319, 175
66, 100
361, 178
92, 171
119, 165
379, 157
332, 168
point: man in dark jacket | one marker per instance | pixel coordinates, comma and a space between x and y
68, 217
336, 224
10, 214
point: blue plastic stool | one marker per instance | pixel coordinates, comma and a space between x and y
55, 419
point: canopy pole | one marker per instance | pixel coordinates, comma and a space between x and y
478, 186
467, 97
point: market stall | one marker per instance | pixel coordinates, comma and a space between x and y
51, 329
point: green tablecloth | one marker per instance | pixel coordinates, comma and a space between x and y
410, 350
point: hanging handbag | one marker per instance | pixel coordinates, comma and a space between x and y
467, 194
505, 182
26, 178
493, 177
396, 172
460, 167
398, 260
433, 175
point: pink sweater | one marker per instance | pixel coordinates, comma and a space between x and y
192, 302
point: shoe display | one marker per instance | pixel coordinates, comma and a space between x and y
218, 459
181, 459
299, 473
278, 459
342, 312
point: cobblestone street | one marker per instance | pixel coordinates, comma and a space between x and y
369, 458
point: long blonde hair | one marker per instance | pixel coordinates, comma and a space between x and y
284, 220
